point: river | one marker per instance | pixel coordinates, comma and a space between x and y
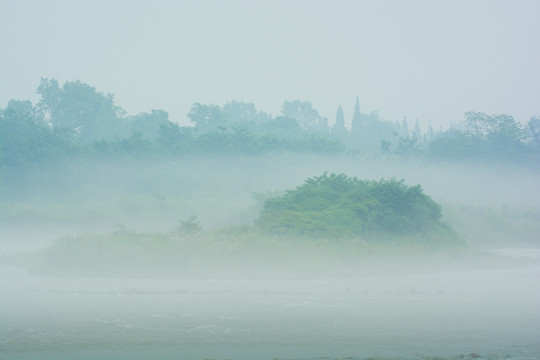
493, 313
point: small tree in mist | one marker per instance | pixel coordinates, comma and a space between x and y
191, 226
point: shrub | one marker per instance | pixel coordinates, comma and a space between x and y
339, 206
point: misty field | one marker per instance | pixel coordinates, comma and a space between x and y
146, 259
270, 180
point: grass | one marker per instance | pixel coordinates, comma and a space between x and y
238, 252
489, 226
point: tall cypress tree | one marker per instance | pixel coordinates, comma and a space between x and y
417, 133
357, 118
339, 126
405, 128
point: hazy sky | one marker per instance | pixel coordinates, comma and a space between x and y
427, 60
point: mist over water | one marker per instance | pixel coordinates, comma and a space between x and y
399, 315
265, 301
270, 180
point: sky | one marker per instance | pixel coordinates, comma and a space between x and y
427, 60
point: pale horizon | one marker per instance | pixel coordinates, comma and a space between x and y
424, 60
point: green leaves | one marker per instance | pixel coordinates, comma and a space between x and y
483, 136
339, 206
79, 108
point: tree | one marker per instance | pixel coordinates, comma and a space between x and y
136, 145
26, 140
501, 133
356, 124
339, 127
77, 107
385, 146
369, 131
190, 227
453, 144
488, 127
405, 128
233, 113
281, 127
175, 139
149, 124
430, 134
482, 136
407, 146
533, 127
205, 117
338, 206
23, 108
417, 133
307, 117
239, 113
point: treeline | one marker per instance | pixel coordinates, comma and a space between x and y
76, 120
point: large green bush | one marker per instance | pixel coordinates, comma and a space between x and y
339, 206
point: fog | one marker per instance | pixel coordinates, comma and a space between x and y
424, 60
153, 195
246, 299
490, 313
269, 180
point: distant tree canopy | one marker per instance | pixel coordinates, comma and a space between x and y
24, 139
339, 206
149, 124
233, 114
533, 128
305, 115
484, 136
78, 108
75, 119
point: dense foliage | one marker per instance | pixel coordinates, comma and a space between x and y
339, 206
76, 120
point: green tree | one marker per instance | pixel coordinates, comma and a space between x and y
501, 132
281, 127
173, 138
404, 131
356, 124
239, 113
533, 127
24, 108
369, 131
26, 140
307, 117
456, 144
205, 117
339, 128
136, 145
417, 133
149, 124
407, 146
482, 136
338, 206
78, 108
